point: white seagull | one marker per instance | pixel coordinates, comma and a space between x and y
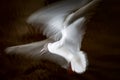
63, 24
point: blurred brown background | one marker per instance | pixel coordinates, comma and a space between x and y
101, 42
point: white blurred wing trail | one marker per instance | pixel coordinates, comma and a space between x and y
50, 19
30, 50
33, 51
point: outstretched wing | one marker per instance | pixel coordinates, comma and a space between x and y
50, 20
33, 51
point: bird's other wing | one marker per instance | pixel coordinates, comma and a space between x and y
50, 20
31, 49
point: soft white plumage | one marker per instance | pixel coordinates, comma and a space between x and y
63, 22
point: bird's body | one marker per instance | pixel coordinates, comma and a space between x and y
69, 46
63, 23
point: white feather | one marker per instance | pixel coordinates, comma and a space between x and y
50, 19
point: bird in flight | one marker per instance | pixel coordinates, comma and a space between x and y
63, 23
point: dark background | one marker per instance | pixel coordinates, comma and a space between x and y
101, 43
